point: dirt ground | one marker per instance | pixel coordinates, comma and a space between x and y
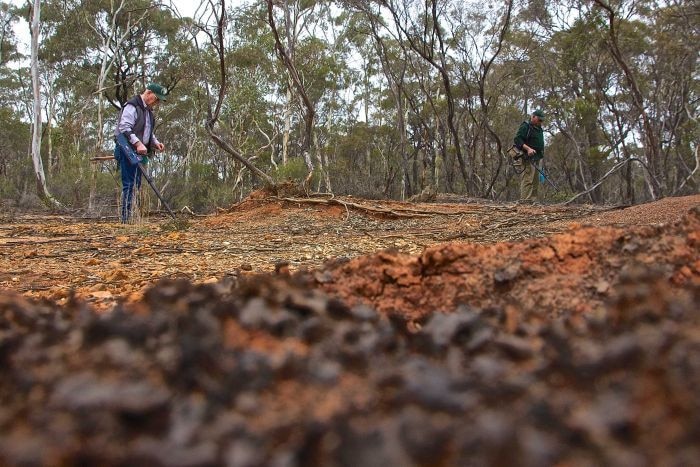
102, 261
290, 332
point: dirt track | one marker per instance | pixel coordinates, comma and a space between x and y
580, 348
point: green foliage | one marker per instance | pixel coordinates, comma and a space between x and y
307, 4
585, 109
175, 225
201, 190
295, 169
71, 184
9, 16
596, 155
247, 56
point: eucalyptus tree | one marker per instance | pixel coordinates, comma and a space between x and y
417, 95
286, 51
622, 79
293, 18
213, 22
421, 27
327, 61
481, 35
371, 25
673, 89
42, 188
13, 130
8, 41
394, 71
616, 18
252, 111
575, 73
9, 60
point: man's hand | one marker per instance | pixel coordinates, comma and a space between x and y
160, 146
140, 148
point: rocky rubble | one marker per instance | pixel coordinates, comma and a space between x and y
572, 273
272, 370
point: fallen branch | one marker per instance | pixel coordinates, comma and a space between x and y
692, 174
615, 168
360, 207
398, 212
20, 241
186, 209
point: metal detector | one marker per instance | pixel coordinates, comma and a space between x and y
134, 158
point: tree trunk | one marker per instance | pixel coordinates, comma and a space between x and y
287, 123
651, 141
42, 189
310, 111
218, 42
425, 49
396, 87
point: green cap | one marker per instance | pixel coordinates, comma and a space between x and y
538, 113
160, 91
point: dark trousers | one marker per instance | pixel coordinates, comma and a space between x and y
131, 183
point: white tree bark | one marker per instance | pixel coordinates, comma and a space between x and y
42, 189
287, 123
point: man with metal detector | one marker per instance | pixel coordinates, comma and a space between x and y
134, 137
529, 140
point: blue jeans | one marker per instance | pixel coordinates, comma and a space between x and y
131, 183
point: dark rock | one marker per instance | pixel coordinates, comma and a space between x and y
324, 371
155, 452
430, 386
424, 436
338, 310
257, 314
480, 339
313, 330
282, 267
323, 277
85, 391
507, 274
355, 342
364, 313
244, 453
361, 443
443, 329
514, 347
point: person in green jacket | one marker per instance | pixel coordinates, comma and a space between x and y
530, 140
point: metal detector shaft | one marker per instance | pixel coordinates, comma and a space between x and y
134, 158
148, 178
543, 175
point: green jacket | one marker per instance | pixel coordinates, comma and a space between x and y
533, 136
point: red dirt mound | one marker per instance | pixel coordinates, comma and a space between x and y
573, 272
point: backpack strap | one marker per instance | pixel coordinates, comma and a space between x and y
529, 128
